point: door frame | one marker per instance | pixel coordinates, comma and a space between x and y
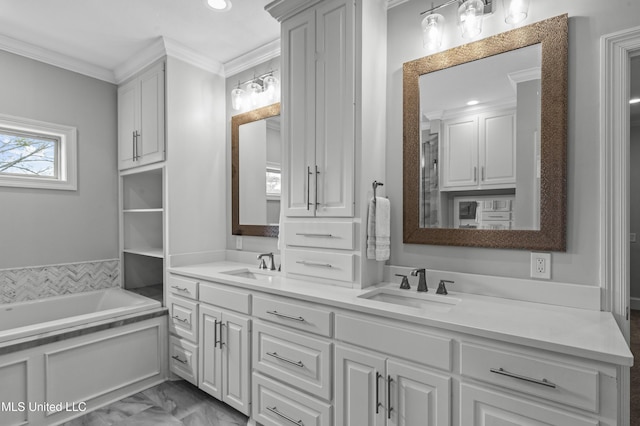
615, 52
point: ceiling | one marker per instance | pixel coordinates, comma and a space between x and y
105, 34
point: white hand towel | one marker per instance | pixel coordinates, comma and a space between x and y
371, 230
382, 228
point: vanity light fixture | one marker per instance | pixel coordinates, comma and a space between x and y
262, 90
470, 14
219, 5
634, 101
473, 102
515, 11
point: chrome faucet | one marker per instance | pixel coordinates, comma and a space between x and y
263, 265
422, 279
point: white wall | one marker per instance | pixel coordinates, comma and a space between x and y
255, 244
634, 217
588, 21
196, 174
42, 227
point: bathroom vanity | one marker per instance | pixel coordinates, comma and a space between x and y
284, 350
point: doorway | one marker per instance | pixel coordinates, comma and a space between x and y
634, 228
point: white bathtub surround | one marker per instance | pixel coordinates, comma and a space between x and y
68, 352
37, 282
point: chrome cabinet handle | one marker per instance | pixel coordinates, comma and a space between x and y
308, 187
475, 174
542, 382
215, 333
133, 139
308, 234
275, 411
137, 136
389, 408
183, 289
177, 358
281, 358
378, 403
278, 314
184, 320
221, 324
317, 173
483, 173
306, 262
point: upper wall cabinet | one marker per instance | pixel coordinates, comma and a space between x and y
318, 114
479, 152
141, 137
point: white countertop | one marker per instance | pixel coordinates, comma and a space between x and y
579, 332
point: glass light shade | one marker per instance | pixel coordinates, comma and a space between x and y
254, 93
470, 18
432, 28
515, 11
271, 88
237, 99
219, 4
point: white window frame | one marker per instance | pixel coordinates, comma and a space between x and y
67, 178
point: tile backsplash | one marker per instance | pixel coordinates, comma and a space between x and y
37, 282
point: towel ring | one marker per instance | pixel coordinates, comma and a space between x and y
375, 185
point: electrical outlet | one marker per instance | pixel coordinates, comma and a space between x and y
632, 237
541, 265
238, 243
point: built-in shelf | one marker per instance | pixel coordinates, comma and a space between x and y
143, 211
151, 252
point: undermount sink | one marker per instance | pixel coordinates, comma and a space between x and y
413, 299
258, 275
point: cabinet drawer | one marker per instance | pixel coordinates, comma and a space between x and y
183, 286
298, 360
333, 266
545, 378
395, 340
183, 359
336, 235
489, 216
225, 296
294, 314
183, 319
277, 405
484, 407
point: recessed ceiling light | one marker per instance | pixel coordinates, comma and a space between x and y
634, 101
473, 102
219, 5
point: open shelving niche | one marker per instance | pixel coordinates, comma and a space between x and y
142, 217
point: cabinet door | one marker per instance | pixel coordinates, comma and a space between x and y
236, 366
360, 388
417, 396
210, 362
460, 153
498, 149
298, 113
334, 135
127, 111
482, 407
151, 127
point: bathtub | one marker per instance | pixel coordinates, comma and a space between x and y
64, 355
24, 319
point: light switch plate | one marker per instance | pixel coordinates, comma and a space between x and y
632, 237
238, 243
541, 265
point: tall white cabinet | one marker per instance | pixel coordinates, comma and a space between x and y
318, 89
333, 54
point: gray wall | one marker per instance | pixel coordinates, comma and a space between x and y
41, 227
634, 217
588, 21
255, 244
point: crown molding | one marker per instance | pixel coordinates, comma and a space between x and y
56, 59
251, 59
161, 47
394, 3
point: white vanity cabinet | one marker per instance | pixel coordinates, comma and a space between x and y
479, 151
141, 111
318, 120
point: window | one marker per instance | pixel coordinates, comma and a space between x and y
35, 154
273, 181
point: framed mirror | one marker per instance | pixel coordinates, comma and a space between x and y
255, 172
484, 143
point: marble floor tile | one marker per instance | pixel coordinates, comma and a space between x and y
154, 416
178, 398
214, 413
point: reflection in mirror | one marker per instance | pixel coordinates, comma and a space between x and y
480, 145
256, 159
487, 168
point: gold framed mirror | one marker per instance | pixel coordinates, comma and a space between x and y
463, 184
255, 172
